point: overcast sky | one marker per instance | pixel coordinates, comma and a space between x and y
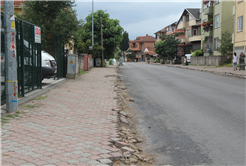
139, 18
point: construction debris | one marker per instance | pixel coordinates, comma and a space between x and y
129, 142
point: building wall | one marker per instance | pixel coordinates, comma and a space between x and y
217, 31
227, 19
240, 37
148, 44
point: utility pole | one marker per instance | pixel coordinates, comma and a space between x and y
92, 38
10, 57
102, 41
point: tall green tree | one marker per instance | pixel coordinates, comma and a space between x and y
225, 43
167, 46
54, 18
124, 45
112, 32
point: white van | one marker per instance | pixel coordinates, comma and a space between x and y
49, 67
187, 59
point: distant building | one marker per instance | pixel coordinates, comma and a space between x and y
240, 27
217, 17
17, 6
190, 22
141, 46
171, 30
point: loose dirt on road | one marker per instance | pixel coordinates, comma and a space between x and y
127, 129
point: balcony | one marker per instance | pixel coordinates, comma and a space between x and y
181, 25
194, 23
194, 38
208, 10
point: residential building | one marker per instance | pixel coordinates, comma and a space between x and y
17, 6
141, 46
240, 27
217, 17
190, 22
171, 30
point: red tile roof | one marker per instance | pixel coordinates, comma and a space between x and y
143, 39
16, 3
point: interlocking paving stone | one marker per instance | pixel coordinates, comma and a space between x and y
72, 126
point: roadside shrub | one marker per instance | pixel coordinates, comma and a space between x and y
117, 57
148, 58
110, 62
162, 62
228, 60
197, 53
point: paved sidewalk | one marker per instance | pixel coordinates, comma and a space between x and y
71, 126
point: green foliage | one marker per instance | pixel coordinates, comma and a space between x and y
124, 43
162, 62
225, 46
54, 18
41, 97
129, 50
117, 57
197, 53
148, 58
31, 106
228, 60
131, 56
112, 33
110, 62
168, 45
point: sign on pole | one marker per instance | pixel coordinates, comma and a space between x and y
37, 34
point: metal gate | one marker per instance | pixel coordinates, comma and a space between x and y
29, 71
59, 55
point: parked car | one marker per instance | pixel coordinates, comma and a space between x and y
49, 66
187, 59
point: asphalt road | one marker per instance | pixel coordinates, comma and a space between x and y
188, 117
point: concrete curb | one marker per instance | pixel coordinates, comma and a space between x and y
222, 73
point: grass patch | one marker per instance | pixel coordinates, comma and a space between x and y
3, 120
225, 65
31, 106
17, 112
41, 97
81, 72
12, 115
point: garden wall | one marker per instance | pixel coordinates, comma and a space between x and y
208, 60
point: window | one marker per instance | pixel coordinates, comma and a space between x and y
240, 23
217, 21
188, 33
199, 32
194, 32
216, 43
155, 36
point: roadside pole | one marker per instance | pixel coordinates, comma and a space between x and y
102, 41
10, 57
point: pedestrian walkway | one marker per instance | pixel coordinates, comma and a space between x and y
69, 125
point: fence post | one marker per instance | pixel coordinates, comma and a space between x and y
10, 57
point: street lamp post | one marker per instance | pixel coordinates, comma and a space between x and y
92, 38
102, 39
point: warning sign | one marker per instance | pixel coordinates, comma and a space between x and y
71, 62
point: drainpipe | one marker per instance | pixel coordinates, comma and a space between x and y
234, 27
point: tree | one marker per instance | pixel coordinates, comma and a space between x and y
54, 18
112, 32
124, 45
167, 46
226, 45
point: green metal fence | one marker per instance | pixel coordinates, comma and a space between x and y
3, 97
29, 71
